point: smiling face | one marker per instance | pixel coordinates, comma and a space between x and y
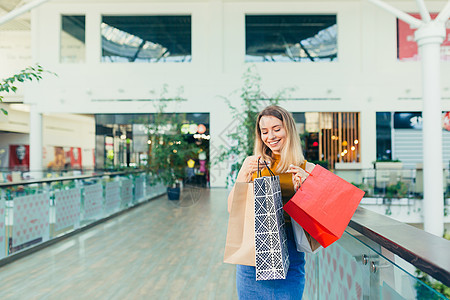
273, 133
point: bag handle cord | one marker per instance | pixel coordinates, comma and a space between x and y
267, 166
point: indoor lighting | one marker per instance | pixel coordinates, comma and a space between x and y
202, 136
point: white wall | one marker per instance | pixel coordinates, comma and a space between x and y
367, 76
63, 130
69, 130
12, 138
15, 55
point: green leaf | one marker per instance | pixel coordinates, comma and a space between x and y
28, 73
5, 112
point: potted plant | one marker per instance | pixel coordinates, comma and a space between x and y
388, 164
168, 159
169, 150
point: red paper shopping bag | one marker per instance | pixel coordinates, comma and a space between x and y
324, 205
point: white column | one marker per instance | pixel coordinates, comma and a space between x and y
35, 142
429, 37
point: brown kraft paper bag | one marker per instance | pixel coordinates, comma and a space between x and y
240, 244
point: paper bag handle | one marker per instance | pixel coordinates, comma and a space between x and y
267, 166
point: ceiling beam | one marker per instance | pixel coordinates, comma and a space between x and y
444, 14
21, 10
423, 11
398, 13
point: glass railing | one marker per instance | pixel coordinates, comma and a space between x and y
397, 193
349, 269
391, 183
11, 176
357, 267
34, 212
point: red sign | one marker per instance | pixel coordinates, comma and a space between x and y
446, 121
407, 47
75, 158
19, 157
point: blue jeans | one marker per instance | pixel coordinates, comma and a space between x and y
289, 288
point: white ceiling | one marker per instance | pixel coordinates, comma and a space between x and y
20, 23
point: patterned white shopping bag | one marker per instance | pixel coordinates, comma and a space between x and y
272, 257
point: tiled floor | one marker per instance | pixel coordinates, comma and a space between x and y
160, 250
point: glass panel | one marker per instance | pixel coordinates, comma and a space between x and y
3, 248
290, 38
73, 36
34, 213
28, 210
350, 269
384, 139
146, 38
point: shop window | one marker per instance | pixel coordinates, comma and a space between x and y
407, 49
330, 137
290, 38
339, 136
124, 140
73, 39
150, 39
384, 136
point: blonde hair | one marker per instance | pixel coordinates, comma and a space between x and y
291, 153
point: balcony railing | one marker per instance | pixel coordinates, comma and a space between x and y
377, 258
35, 213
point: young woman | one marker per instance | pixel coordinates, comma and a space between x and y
277, 142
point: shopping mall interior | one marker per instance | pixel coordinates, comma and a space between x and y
123, 125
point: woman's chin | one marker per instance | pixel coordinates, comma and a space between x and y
275, 150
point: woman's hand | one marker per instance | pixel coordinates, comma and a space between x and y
299, 175
250, 166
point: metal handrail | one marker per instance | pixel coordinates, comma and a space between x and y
64, 178
425, 251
